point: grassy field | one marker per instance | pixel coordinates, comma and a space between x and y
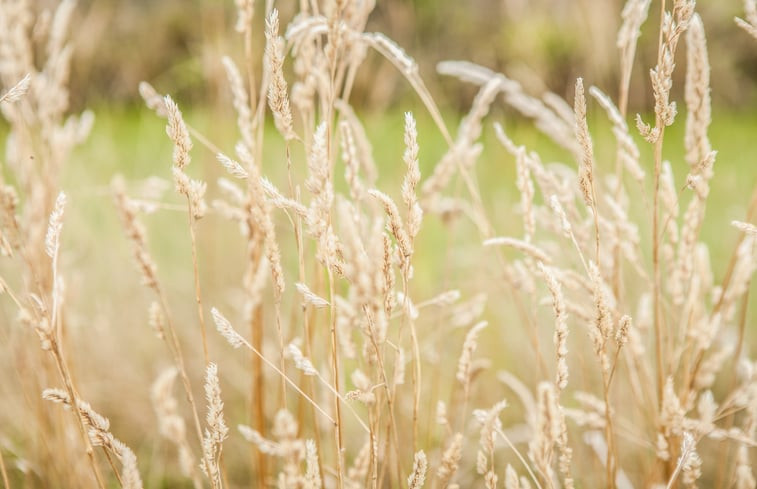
132, 142
408, 298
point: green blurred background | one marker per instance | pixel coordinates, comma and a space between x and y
177, 45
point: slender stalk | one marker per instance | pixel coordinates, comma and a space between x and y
175, 348
288, 380
306, 319
198, 292
71, 391
390, 393
257, 390
3, 472
416, 358
523, 461
657, 287
335, 372
612, 469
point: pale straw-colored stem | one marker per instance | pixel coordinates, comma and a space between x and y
287, 379
196, 274
71, 391
523, 461
657, 287
175, 348
416, 357
3, 471
335, 371
390, 390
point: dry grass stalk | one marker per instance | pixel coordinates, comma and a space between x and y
561, 327
232, 166
412, 177
241, 101
560, 130
408, 67
135, 231
628, 152
745, 227
418, 477
697, 85
312, 473
16, 91
171, 424
634, 14
178, 133
530, 250
351, 159
310, 298
465, 362
450, 460
395, 225
98, 430
586, 166
217, 431
278, 97
225, 328
750, 24
194, 191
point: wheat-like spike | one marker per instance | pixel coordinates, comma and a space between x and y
153, 99
586, 165
241, 101
227, 331
310, 298
17, 91
300, 361
418, 477
218, 429
264, 445
698, 113
89, 415
634, 13
10, 233
312, 471
351, 159
136, 232
55, 226
412, 177
278, 96
520, 245
232, 166
98, 431
450, 460
130, 478
511, 478
171, 424
628, 152
178, 133
744, 475
56, 41
395, 223
750, 24
745, 227
601, 329
561, 326
464, 363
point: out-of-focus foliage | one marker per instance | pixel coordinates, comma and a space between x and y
534, 41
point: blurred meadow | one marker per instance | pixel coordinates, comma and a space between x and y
545, 45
